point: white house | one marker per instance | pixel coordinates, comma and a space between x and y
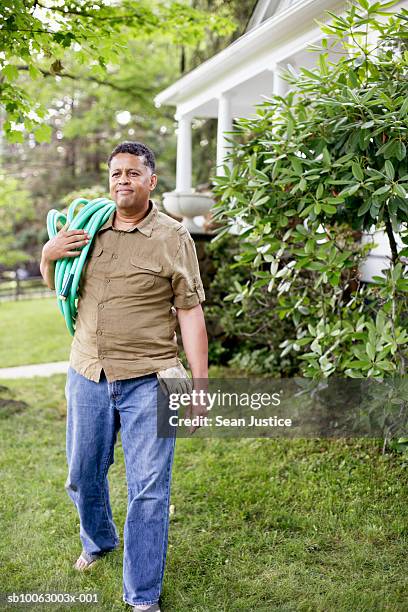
231, 82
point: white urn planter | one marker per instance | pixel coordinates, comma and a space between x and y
188, 204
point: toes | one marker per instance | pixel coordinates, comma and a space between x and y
81, 564
84, 561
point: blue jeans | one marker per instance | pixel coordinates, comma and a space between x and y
95, 413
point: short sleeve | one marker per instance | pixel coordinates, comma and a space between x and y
186, 281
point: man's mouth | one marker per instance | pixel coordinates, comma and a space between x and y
124, 191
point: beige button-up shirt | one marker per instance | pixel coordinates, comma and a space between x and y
132, 282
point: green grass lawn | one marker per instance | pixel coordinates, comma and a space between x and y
32, 331
258, 525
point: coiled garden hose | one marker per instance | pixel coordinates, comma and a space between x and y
90, 217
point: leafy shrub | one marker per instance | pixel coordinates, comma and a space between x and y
249, 331
307, 175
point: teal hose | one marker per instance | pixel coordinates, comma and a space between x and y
90, 217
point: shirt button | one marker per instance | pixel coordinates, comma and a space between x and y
114, 256
100, 306
107, 281
99, 332
102, 356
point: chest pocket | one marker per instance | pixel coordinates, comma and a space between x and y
142, 274
95, 258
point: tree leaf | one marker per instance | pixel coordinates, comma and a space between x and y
400, 150
404, 108
389, 170
357, 171
364, 208
43, 133
15, 136
382, 190
10, 72
351, 190
399, 190
370, 350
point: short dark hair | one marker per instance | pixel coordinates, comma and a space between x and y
135, 148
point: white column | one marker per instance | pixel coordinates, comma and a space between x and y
183, 173
224, 125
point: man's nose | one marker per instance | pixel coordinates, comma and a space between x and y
123, 179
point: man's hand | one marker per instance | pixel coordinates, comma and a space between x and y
199, 408
59, 247
64, 242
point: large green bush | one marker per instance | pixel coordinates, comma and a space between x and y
308, 174
247, 336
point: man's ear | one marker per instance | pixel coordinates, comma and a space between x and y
153, 181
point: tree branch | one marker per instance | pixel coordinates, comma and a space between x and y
67, 75
92, 15
391, 237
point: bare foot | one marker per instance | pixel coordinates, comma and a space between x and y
84, 561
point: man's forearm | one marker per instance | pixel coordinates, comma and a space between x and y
197, 354
47, 269
195, 341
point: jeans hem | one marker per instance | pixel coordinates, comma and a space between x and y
141, 603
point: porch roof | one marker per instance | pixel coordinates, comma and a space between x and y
245, 66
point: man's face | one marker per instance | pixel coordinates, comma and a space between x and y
130, 181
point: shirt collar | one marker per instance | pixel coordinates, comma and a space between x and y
145, 226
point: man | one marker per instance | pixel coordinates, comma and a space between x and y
141, 276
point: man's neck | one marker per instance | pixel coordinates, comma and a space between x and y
124, 223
